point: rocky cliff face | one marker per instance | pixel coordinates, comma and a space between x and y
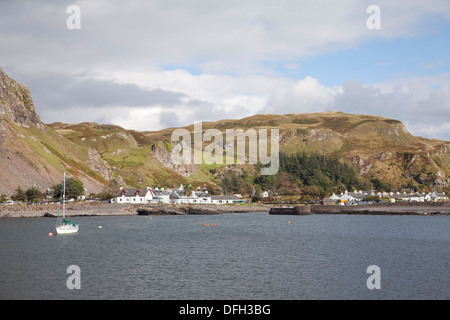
165, 157
16, 103
31, 153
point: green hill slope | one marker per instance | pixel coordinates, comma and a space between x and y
36, 154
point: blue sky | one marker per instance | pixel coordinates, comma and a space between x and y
153, 64
377, 60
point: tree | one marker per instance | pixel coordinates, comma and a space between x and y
105, 195
378, 185
256, 194
232, 183
286, 184
312, 193
319, 170
19, 195
188, 189
74, 189
371, 198
31, 194
266, 182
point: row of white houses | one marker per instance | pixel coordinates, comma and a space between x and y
358, 196
149, 195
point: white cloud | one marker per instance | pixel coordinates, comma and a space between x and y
423, 103
306, 95
215, 36
206, 97
124, 49
146, 119
177, 98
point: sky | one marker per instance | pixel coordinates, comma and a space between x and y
150, 65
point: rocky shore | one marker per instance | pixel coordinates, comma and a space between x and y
72, 210
108, 209
200, 209
414, 208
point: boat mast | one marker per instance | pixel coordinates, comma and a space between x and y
64, 197
63, 189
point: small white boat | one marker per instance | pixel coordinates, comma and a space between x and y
66, 226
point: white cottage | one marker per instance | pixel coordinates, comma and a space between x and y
225, 199
134, 196
196, 197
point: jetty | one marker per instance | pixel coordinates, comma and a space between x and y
298, 210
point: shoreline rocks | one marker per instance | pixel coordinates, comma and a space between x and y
199, 209
108, 209
437, 208
72, 210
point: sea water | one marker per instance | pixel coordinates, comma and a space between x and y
227, 256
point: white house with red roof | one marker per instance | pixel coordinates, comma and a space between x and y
134, 196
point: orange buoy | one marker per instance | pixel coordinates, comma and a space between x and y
204, 224
50, 234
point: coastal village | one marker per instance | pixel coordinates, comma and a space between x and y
202, 196
180, 196
168, 196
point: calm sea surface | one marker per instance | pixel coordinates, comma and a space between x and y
244, 256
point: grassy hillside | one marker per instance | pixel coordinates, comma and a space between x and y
377, 148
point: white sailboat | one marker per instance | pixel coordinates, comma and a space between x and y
66, 226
